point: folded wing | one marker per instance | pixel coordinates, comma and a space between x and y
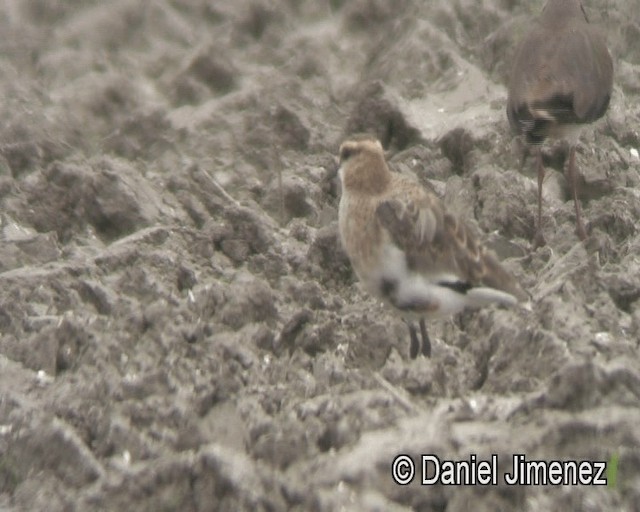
559, 78
441, 248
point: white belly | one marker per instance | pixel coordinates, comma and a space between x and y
425, 289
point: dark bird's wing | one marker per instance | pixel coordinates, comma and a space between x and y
559, 77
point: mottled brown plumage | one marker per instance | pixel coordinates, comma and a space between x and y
406, 248
562, 78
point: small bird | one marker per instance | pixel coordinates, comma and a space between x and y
406, 249
561, 80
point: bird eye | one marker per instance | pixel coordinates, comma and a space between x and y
346, 153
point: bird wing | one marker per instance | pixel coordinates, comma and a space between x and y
411, 222
561, 77
438, 245
591, 69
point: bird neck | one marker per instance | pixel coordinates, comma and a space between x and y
557, 13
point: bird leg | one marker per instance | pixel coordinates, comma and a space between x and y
538, 239
573, 177
414, 348
426, 342
415, 344
524, 153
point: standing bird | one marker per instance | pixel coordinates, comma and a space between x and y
561, 80
405, 247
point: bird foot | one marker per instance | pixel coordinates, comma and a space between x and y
422, 345
581, 232
414, 348
539, 240
426, 342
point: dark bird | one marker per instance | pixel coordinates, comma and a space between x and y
561, 80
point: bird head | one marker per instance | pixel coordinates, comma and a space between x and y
362, 165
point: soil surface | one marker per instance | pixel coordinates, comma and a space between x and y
179, 326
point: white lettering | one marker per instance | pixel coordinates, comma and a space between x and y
436, 462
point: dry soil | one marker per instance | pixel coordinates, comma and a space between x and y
179, 327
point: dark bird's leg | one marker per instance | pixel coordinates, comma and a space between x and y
524, 154
426, 342
415, 344
538, 238
573, 177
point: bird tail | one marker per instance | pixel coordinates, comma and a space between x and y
483, 296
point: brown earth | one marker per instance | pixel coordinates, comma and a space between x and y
169, 346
